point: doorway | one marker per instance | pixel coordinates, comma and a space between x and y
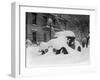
45, 37
34, 36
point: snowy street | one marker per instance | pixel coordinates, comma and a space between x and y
56, 39
34, 58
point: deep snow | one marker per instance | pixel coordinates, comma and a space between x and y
34, 57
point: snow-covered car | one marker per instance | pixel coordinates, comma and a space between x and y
69, 38
64, 42
72, 42
69, 35
78, 46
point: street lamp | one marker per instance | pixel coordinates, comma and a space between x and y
49, 23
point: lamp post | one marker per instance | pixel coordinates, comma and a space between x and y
49, 23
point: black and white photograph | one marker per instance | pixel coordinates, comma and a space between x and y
53, 38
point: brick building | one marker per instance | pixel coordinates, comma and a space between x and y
41, 26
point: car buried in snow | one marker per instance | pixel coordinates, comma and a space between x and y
64, 42
70, 39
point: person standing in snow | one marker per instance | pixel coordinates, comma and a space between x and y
87, 42
84, 41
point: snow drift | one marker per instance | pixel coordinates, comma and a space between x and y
34, 55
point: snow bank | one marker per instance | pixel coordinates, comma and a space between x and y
64, 33
32, 51
28, 43
43, 46
34, 55
58, 42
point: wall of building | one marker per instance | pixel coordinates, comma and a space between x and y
41, 34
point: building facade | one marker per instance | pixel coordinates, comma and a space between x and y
41, 26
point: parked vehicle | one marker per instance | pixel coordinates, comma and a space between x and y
64, 41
